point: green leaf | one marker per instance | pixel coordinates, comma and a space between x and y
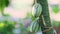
55, 9
3, 4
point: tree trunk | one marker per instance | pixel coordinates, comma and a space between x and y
45, 17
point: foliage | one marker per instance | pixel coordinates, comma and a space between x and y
3, 4
55, 8
6, 27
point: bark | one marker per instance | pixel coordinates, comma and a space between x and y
45, 17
